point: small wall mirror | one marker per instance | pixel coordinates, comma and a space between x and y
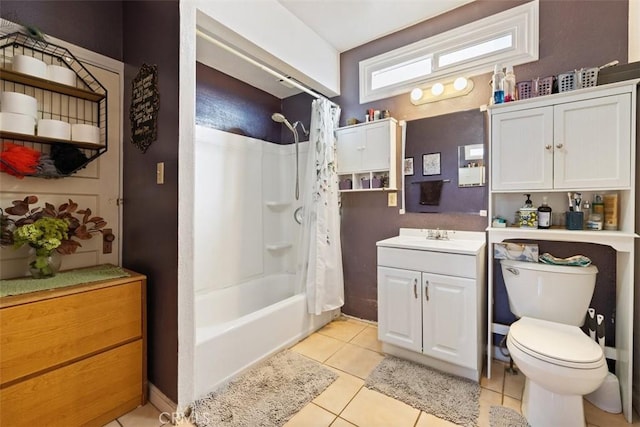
471, 170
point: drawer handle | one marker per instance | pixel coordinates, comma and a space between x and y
513, 271
415, 288
426, 290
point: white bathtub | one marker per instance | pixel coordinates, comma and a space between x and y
239, 326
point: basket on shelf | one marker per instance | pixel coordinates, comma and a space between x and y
537, 87
578, 79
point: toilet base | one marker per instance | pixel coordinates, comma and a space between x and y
543, 408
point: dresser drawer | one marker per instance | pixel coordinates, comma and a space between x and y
42, 335
90, 392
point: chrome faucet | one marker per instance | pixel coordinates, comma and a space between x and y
437, 234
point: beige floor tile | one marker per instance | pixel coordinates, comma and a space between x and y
343, 329
497, 377
368, 338
488, 399
372, 409
600, 418
514, 385
143, 416
311, 416
112, 424
339, 422
318, 347
355, 360
428, 420
340, 393
512, 403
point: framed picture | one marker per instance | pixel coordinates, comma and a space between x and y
431, 164
408, 166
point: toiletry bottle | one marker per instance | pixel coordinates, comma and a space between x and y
509, 85
496, 84
586, 208
597, 214
610, 211
544, 215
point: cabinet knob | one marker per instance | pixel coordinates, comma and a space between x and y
548, 146
559, 146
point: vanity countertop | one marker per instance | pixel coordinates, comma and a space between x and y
458, 242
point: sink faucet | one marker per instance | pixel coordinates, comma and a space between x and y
437, 234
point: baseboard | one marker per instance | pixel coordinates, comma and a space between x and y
160, 401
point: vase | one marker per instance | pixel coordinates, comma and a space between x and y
44, 265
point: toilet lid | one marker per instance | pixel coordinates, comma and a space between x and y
556, 343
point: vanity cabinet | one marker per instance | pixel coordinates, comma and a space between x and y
73, 356
366, 151
430, 301
568, 145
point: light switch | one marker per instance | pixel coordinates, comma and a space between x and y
392, 199
160, 173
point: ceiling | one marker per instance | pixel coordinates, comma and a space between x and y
344, 24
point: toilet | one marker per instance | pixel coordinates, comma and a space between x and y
560, 362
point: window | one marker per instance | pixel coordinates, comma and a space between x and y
508, 38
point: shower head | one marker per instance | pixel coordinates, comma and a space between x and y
280, 118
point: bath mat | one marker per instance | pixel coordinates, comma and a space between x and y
266, 395
446, 396
500, 416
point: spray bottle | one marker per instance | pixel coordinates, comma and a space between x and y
509, 85
497, 84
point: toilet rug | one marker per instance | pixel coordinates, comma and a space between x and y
500, 416
446, 396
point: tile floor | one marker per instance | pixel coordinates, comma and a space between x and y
351, 349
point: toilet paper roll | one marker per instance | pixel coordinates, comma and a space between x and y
591, 322
600, 330
85, 133
14, 102
30, 65
17, 123
62, 75
54, 129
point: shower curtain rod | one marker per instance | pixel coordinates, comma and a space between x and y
252, 61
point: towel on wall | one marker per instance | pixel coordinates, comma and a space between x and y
430, 192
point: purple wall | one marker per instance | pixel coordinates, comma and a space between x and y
150, 223
570, 37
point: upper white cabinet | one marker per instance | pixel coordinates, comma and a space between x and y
568, 144
366, 153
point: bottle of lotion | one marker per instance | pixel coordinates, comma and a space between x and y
544, 215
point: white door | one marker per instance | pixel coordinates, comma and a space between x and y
399, 308
449, 318
96, 187
593, 143
522, 150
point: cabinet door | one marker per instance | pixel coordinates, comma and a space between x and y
449, 319
349, 147
377, 138
593, 143
399, 308
522, 150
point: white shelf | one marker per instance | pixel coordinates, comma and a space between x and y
278, 246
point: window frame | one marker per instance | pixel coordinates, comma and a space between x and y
521, 22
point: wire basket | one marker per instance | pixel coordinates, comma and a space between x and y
536, 87
578, 79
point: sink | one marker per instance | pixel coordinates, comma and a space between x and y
461, 242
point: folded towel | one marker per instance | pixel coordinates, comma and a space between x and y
576, 260
430, 192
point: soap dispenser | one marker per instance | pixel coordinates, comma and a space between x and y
528, 214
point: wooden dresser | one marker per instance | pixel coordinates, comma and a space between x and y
73, 356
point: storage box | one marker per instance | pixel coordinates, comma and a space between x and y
619, 73
516, 251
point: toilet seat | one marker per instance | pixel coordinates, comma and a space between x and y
555, 343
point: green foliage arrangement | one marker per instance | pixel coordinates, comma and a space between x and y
48, 228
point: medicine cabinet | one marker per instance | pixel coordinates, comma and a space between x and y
84, 102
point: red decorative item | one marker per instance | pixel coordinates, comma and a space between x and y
17, 160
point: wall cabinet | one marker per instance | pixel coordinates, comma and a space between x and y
569, 145
75, 355
582, 140
366, 151
429, 302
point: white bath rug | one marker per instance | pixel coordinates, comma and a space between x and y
500, 416
265, 396
446, 396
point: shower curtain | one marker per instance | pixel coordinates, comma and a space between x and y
320, 265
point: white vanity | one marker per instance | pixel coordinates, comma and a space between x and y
431, 298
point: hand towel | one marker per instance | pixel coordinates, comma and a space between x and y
430, 192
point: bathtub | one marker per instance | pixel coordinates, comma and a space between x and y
239, 326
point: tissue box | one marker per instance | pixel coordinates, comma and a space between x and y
516, 251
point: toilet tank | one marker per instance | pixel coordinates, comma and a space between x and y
549, 292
